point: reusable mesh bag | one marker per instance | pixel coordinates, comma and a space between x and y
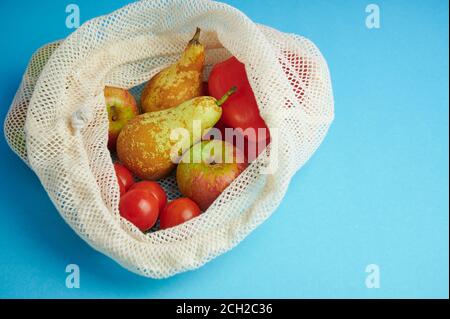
58, 124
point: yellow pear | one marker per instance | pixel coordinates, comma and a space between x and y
177, 83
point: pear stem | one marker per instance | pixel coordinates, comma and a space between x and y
226, 96
196, 37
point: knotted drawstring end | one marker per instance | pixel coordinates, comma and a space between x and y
81, 118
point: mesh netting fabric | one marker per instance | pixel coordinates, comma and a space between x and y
58, 124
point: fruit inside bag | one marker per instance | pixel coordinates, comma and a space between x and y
175, 213
172, 102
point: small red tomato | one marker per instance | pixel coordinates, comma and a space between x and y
124, 175
140, 208
155, 189
177, 212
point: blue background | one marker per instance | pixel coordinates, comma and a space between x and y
375, 192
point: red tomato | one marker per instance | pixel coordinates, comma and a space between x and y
177, 212
140, 208
124, 175
155, 189
240, 110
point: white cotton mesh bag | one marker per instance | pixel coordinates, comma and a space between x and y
58, 124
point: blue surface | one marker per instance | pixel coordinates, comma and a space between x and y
375, 192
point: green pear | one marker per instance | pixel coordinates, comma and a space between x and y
150, 144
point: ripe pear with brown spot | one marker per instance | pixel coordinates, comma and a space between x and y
150, 144
177, 83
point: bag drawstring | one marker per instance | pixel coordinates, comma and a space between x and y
81, 118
